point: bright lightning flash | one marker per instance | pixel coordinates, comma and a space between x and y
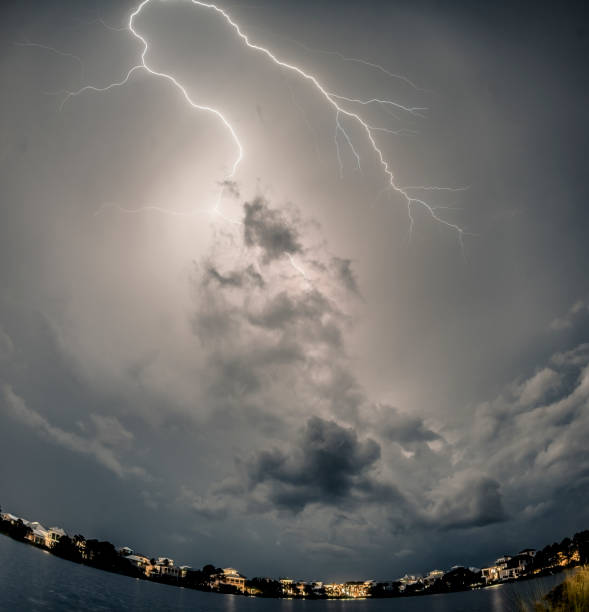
342, 105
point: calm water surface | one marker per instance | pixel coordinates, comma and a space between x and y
31, 579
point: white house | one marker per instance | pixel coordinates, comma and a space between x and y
138, 561
54, 534
490, 574
38, 534
163, 566
433, 576
230, 577
11, 518
184, 569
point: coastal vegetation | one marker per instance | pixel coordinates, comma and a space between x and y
572, 595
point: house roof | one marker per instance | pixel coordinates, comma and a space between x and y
58, 530
137, 558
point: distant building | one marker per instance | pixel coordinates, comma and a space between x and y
490, 574
433, 576
125, 551
229, 577
288, 586
349, 589
41, 536
163, 567
408, 580
358, 589
54, 534
11, 518
169, 571
333, 589
38, 534
184, 569
508, 567
530, 552
139, 561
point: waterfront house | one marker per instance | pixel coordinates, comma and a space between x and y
38, 534
358, 589
168, 571
184, 569
490, 574
139, 561
54, 534
530, 552
11, 518
163, 567
288, 586
229, 577
409, 580
433, 576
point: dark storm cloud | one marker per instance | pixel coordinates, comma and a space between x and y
476, 502
328, 465
531, 439
269, 229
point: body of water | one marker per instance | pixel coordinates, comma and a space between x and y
32, 579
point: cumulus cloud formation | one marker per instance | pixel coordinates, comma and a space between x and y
328, 465
348, 452
306, 447
466, 500
344, 456
534, 442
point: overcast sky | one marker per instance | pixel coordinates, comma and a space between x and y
284, 373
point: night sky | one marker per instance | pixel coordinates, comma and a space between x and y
288, 369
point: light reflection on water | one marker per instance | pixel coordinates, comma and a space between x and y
33, 581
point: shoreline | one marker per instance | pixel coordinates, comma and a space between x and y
213, 592
104, 556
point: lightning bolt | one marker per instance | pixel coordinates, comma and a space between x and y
344, 108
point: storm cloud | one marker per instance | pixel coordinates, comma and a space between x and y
328, 465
